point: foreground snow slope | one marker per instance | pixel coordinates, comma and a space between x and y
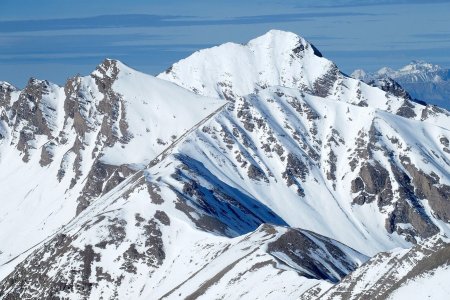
128, 245
421, 272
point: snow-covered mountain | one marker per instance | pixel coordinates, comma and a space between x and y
422, 80
255, 171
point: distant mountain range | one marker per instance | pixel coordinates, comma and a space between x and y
422, 80
256, 171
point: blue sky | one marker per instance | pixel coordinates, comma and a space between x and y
55, 40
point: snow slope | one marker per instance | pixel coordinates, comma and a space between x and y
416, 273
294, 156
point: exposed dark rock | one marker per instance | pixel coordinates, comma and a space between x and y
295, 169
23, 146
296, 245
153, 191
373, 183
362, 103
74, 104
88, 256
139, 219
406, 110
28, 112
303, 108
332, 160
130, 256
227, 136
357, 185
117, 232
322, 86
390, 86
27, 107
5, 94
154, 252
77, 148
245, 115
204, 222
298, 49
191, 188
162, 217
100, 180
408, 208
432, 110
47, 154
428, 187
256, 173
444, 141
362, 152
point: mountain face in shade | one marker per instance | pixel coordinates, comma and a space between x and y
243, 171
422, 80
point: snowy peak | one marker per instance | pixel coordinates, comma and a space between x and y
281, 41
110, 68
359, 74
418, 66
419, 72
414, 68
276, 58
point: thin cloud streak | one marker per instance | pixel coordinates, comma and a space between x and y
134, 20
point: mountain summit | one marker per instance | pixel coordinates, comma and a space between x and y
256, 171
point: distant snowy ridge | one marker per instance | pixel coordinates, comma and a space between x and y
422, 80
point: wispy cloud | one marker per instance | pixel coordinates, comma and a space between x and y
434, 35
363, 3
140, 20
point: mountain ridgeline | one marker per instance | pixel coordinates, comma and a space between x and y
243, 171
